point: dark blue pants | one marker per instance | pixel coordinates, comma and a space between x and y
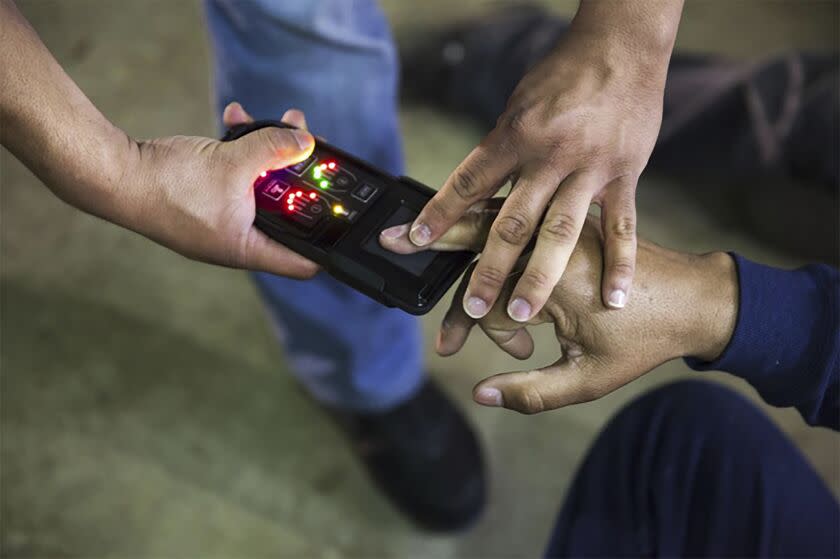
693, 469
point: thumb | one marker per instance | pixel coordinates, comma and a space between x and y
565, 382
274, 148
468, 233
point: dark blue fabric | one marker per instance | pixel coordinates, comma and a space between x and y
693, 469
787, 338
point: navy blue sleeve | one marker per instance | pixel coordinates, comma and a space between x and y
787, 339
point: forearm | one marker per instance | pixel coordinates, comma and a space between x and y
53, 128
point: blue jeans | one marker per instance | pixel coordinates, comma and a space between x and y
336, 61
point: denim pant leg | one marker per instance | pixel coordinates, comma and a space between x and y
695, 470
335, 60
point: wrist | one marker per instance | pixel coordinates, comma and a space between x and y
130, 179
691, 300
714, 306
111, 194
637, 33
614, 61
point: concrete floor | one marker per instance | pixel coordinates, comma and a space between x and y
146, 411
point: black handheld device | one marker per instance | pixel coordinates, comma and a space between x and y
331, 208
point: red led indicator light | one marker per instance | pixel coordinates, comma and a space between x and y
312, 196
323, 165
331, 165
291, 208
298, 193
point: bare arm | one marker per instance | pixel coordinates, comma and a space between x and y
193, 195
51, 126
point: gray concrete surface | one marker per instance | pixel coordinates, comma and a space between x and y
146, 410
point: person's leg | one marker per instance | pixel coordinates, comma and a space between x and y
693, 469
335, 61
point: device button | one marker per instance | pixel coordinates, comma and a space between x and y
299, 168
275, 189
316, 208
364, 192
343, 180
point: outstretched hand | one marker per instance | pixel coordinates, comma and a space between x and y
684, 305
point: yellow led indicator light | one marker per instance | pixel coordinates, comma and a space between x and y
338, 209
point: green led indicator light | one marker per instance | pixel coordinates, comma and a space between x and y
325, 184
316, 172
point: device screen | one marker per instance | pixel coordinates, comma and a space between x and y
415, 263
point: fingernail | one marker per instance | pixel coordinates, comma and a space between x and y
303, 139
488, 397
475, 307
617, 299
519, 309
420, 234
395, 232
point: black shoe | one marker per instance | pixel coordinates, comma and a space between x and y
425, 457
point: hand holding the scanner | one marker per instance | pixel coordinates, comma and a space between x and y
193, 195
204, 203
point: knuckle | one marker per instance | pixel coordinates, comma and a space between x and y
466, 183
512, 229
625, 169
499, 335
489, 276
623, 228
519, 123
530, 401
279, 139
622, 267
435, 210
559, 228
537, 279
